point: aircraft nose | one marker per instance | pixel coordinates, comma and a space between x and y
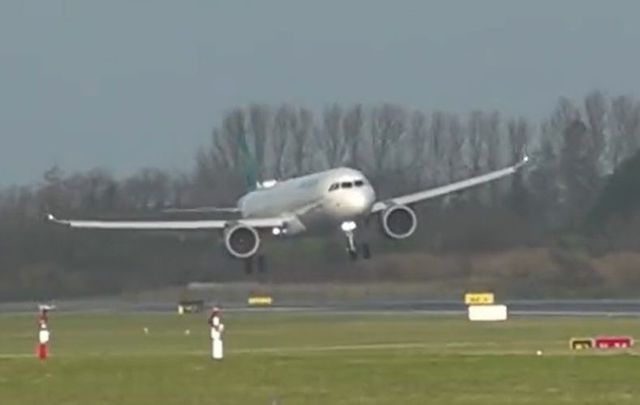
363, 199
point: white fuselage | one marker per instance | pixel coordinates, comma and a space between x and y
316, 201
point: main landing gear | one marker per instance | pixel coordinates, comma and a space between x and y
257, 262
354, 249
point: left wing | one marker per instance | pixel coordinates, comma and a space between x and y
188, 225
449, 188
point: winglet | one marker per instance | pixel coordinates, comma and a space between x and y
51, 218
522, 162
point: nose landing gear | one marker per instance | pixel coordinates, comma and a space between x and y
353, 248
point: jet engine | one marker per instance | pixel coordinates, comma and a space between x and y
399, 222
241, 241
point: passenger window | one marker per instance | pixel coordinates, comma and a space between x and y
346, 184
334, 186
358, 183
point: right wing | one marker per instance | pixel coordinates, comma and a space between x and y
449, 188
187, 225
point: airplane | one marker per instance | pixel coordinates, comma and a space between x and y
330, 200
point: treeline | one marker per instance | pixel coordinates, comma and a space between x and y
549, 205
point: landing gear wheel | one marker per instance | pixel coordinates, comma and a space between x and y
248, 265
366, 251
353, 255
262, 264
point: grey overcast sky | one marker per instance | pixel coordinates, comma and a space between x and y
124, 84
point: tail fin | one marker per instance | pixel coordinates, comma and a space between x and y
249, 163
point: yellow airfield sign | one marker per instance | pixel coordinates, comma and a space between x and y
479, 298
261, 300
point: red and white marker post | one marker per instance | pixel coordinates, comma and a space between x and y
217, 327
43, 335
43, 343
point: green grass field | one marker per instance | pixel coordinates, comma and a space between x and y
287, 359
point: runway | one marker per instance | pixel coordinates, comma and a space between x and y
608, 307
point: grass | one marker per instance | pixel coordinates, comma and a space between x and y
283, 359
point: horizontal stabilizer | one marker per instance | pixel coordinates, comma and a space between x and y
201, 210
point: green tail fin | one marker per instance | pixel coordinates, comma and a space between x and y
249, 163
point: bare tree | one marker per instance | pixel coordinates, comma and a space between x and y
625, 123
437, 148
223, 154
595, 106
207, 171
259, 119
417, 146
388, 125
455, 141
549, 174
331, 139
279, 139
519, 133
235, 130
148, 189
352, 127
181, 191
565, 112
492, 135
578, 170
220, 163
474, 128
493, 140
544, 177
98, 190
301, 129
52, 192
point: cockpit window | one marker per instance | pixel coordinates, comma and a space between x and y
347, 184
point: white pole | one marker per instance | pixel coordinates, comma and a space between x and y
217, 352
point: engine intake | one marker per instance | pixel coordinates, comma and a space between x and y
399, 222
242, 241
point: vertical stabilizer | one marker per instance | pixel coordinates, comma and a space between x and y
248, 162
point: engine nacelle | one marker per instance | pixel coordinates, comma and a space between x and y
399, 222
241, 241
